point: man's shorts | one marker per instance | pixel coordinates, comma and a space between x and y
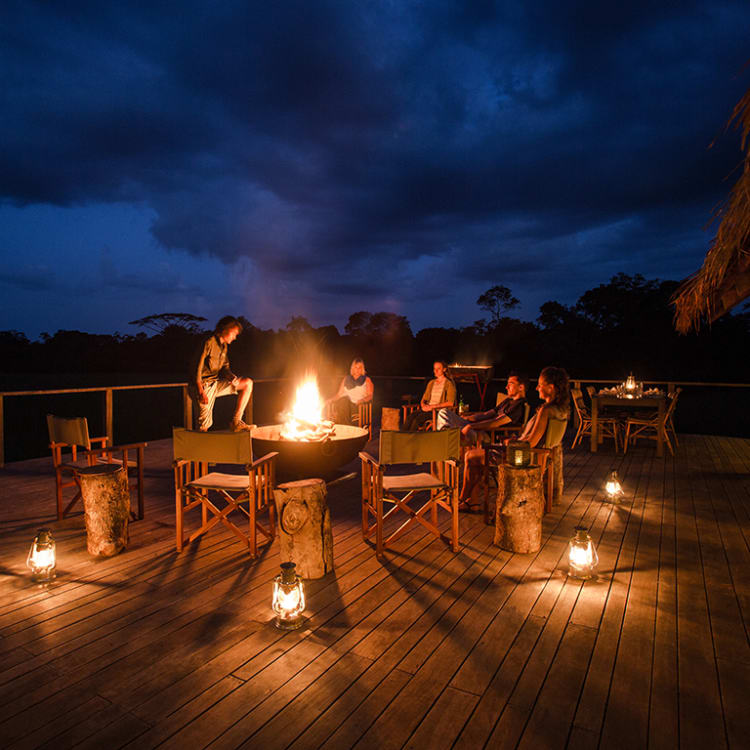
214, 389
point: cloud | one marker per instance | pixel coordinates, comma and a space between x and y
372, 150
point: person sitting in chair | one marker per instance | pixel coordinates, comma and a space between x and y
553, 387
356, 388
507, 412
440, 393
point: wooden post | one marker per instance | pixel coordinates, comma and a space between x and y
389, 418
520, 504
106, 503
108, 420
305, 536
187, 409
2, 435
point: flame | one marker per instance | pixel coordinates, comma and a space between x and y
306, 417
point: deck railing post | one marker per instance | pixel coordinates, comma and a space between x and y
2, 436
108, 418
187, 408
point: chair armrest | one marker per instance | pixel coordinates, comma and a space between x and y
368, 458
264, 459
102, 440
179, 462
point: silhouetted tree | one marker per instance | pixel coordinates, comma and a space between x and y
158, 323
496, 301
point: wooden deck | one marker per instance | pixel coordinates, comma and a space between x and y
429, 650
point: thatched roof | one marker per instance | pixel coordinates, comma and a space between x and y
724, 279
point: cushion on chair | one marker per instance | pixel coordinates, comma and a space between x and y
405, 482
216, 480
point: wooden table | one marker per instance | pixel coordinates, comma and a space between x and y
644, 402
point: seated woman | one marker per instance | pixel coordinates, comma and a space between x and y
440, 393
554, 390
553, 387
356, 388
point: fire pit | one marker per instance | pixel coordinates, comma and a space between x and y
308, 445
298, 458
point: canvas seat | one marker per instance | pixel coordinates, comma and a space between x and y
247, 494
70, 434
387, 495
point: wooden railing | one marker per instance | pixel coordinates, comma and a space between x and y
187, 405
108, 391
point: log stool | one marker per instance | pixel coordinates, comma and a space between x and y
106, 504
519, 508
389, 418
305, 535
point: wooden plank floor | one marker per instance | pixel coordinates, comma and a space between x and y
429, 649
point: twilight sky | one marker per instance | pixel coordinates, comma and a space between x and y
318, 158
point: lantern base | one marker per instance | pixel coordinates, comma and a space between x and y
294, 624
582, 576
43, 577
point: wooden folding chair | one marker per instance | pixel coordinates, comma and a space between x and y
363, 417
248, 493
608, 426
441, 449
72, 433
649, 427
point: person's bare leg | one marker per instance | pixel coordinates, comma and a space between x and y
244, 391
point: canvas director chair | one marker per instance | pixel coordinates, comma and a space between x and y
71, 434
249, 493
402, 493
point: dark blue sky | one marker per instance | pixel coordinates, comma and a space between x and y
320, 158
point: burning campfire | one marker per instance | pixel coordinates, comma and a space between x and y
305, 422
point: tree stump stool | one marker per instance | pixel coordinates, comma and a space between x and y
106, 504
389, 418
520, 505
305, 535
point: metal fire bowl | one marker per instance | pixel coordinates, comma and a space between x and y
298, 459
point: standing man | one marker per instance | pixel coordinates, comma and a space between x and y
211, 377
507, 412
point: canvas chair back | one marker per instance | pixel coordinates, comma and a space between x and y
221, 447
419, 447
500, 398
555, 432
69, 430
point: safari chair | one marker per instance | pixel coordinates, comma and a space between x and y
410, 407
609, 426
441, 449
248, 493
363, 417
71, 434
649, 426
541, 456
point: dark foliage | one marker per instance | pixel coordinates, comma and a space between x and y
618, 327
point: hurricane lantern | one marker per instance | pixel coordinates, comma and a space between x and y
518, 453
582, 557
41, 559
613, 488
288, 598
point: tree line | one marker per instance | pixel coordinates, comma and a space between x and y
621, 326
